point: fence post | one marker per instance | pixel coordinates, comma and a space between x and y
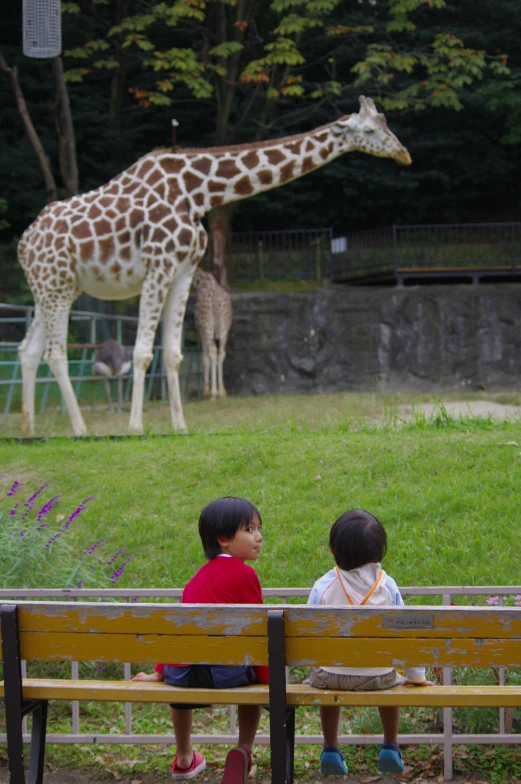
318, 254
260, 259
395, 257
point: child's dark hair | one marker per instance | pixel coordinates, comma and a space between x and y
223, 518
357, 538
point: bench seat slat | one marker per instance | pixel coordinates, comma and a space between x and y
136, 691
56, 646
373, 652
436, 622
410, 696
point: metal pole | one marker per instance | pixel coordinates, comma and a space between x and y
174, 139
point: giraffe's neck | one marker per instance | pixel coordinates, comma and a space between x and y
219, 176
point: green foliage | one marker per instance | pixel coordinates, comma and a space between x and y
35, 553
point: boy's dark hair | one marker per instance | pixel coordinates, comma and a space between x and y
223, 518
357, 538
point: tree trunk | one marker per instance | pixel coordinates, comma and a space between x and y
50, 183
65, 131
117, 87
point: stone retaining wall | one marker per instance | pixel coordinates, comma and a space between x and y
421, 338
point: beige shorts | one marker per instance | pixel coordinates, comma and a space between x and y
332, 680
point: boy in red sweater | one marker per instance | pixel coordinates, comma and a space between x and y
230, 531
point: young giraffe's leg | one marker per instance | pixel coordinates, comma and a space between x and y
205, 347
56, 313
220, 362
213, 368
30, 352
173, 318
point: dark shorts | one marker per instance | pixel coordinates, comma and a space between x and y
207, 676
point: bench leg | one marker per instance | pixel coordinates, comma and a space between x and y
14, 708
290, 744
38, 734
282, 721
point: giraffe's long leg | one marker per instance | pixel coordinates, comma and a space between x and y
150, 306
30, 352
175, 307
56, 313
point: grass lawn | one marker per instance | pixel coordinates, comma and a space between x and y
447, 491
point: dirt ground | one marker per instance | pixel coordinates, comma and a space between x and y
66, 777
468, 408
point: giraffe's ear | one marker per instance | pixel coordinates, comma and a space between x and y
344, 124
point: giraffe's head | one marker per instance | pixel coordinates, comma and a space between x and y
367, 131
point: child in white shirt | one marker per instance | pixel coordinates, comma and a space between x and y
358, 543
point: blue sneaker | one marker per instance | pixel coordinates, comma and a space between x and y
332, 762
390, 759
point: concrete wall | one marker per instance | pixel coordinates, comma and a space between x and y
421, 338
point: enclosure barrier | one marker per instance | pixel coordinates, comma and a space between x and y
452, 251
190, 375
447, 739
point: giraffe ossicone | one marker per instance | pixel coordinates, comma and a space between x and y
141, 233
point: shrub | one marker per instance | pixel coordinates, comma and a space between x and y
35, 551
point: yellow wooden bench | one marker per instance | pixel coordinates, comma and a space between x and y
290, 635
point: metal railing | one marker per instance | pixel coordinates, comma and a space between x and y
473, 250
80, 369
272, 255
447, 739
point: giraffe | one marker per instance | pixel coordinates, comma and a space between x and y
141, 233
112, 359
213, 319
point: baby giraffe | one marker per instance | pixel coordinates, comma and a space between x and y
113, 359
213, 319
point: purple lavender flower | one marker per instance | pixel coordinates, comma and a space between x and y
80, 584
14, 488
494, 600
35, 495
90, 550
114, 577
22, 533
13, 510
48, 507
111, 561
69, 520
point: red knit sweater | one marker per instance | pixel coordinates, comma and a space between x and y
224, 580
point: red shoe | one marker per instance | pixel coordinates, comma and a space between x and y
182, 774
237, 766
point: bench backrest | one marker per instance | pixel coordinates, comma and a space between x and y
403, 636
114, 632
238, 634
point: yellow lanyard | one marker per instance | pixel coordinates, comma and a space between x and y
368, 595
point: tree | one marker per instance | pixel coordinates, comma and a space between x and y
264, 66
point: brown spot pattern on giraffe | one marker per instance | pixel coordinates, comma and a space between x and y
286, 172
202, 165
106, 247
81, 230
308, 164
265, 177
172, 165
243, 187
251, 159
227, 170
216, 187
185, 237
275, 156
86, 250
216, 201
191, 181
